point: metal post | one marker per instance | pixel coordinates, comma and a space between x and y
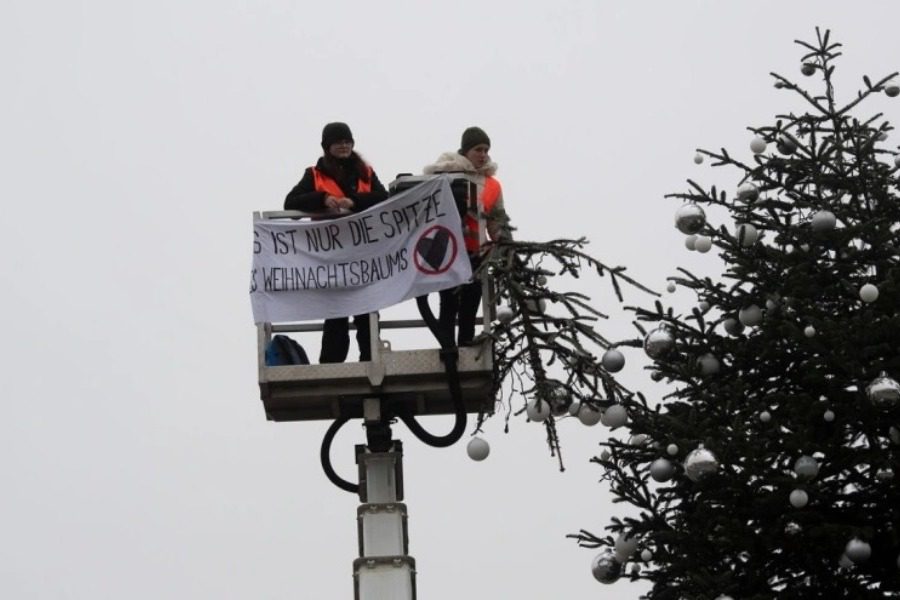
384, 570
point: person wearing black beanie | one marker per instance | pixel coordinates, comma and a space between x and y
460, 304
341, 182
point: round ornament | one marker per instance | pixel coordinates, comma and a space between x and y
589, 415
614, 416
857, 550
605, 454
574, 408
799, 498
709, 364
606, 568
882, 135
757, 145
478, 449
765, 416
690, 218
806, 467
613, 360
868, 293
690, 242
750, 316
671, 287
624, 547
542, 280
699, 463
672, 449
823, 220
656, 376
559, 399
505, 313
746, 234
646, 555
662, 469
747, 192
536, 305
537, 410
786, 145
892, 89
659, 342
638, 439
703, 305
733, 326
883, 392
828, 415
808, 69
703, 244
698, 159
809, 331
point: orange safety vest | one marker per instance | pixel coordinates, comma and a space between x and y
326, 184
489, 195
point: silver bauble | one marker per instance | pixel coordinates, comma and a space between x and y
559, 399
699, 463
806, 467
662, 469
613, 360
892, 89
614, 416
690, 218
883, 392
606, 568
733, 326
659, 342
857, 550
799, 498
746, 234
750, 316
823, 220
747, 191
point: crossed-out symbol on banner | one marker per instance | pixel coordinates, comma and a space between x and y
436, 250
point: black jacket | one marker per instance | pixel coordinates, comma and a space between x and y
346, 173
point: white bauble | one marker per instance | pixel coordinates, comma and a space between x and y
690, 242
750, 316
703, 244
537, 410
478, 449
765, 416
614, 416
698, 158
868, 293
646, 555
625, 547
589, 415
757, 145
672, 449
806, 467
799, 498
823, 220
671, 287
828, 415
809, 331
613, 360
505, 313
574, 408
857, 550
747, 191
746, 234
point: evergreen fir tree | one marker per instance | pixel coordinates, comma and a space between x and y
769, 469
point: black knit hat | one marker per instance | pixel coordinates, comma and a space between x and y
471, 137
335, 132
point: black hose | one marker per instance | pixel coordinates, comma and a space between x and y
325, 457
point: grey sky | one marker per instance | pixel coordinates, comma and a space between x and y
137, 140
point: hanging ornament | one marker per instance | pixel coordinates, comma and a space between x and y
638, 439
868, 293
809, 331
857, 550
747, 192
542, 280
808, 69
828, 415
757, 145
690, 242
537, 410
574, 408
671, 287
746, 234
646, 555
659, 342
699, 463
698, 158
656, 376
765, 416
624, 547
605, 454
589, 415
505, 313
614, 416
733, 326
709, 364
882, 136
750, 316
662, 469
536, 305
823, 220
606, 568
792, 528
478, 449
883, 392
806, 467
672, 449
690, 218
892, 89
703, 306
786, 145
613, 360
799, 498
559, 398
702, 244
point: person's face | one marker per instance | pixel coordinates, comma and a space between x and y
478, 155
341, 149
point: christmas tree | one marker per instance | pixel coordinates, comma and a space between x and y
768, 469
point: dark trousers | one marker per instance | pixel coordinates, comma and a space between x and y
336, 339
461, 303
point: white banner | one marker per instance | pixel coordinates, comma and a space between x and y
406, 246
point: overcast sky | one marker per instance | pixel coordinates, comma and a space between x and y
137, 139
